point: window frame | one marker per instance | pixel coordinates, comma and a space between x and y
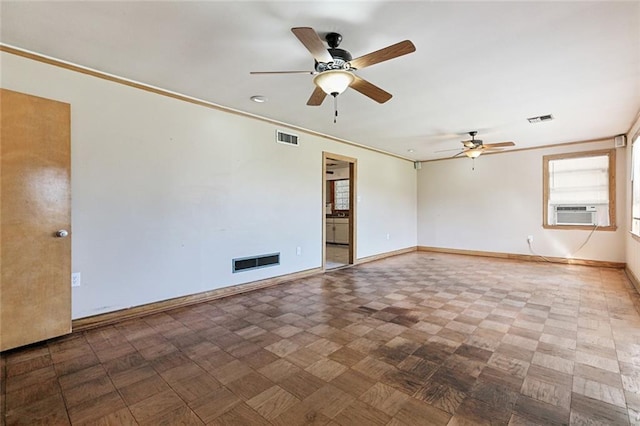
611, 153
635, 180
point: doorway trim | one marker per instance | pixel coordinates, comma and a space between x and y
353, 175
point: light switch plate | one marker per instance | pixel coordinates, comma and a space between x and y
75, 279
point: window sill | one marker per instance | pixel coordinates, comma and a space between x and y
635, 237
581, 227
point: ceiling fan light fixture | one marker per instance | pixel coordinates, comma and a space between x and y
334, 82
473, 153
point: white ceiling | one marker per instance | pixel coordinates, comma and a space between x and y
483, 66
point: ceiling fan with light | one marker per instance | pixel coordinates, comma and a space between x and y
335, 68
473, 147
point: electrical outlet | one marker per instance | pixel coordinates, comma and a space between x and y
75, 279
529, 239
298, 251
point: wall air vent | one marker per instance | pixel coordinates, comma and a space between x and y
286, 138
540, 118
245, 263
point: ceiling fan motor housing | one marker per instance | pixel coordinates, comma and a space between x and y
340, 57
333, 39
341, 60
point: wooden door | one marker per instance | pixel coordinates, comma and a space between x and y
35, 203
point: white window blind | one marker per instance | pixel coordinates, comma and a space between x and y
635, 185
583, 180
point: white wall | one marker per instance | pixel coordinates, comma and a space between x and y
632, 243
166, 193
496, 206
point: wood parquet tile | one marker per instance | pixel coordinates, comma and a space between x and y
418, 339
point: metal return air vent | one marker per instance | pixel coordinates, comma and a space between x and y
255, 262
286, 138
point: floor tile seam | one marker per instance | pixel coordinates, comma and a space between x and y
118, 389
567, 409
186, 403
67, 407
631, 290
106, 373
222, 385
3, 381
571, 388
615, 345
58, 376
178, 394
598, 401
6, 414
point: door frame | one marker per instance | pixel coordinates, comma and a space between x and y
353, 175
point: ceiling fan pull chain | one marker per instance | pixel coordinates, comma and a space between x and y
473, 164
335, 108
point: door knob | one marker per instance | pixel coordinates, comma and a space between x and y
62, 233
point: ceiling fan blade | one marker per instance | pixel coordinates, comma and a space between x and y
317, 97
499, 144
309, 37
399, 49
283, 72
460, 153
370, 90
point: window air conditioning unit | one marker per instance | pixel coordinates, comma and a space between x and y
575, 215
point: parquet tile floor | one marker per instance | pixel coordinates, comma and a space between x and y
416, 339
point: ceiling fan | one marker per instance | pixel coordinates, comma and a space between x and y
335, 68
473, 147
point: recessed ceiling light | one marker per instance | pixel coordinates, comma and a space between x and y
411, 150
259, 99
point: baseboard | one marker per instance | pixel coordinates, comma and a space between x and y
108, 318
527, 257
385, 255
634, 280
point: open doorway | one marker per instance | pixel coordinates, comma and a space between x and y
339, 187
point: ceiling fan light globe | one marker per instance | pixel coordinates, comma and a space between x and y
333, 81
473, 153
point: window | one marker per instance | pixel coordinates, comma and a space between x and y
635, 186
579, 190
341, 194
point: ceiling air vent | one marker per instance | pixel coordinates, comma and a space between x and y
540, 118
254, 262
286, 138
